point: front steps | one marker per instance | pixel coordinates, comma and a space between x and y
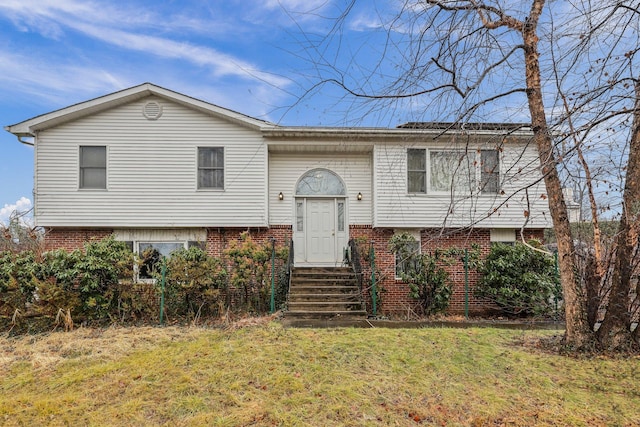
325, 293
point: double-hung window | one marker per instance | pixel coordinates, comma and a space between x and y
443, 171
489, 172
211, 167
417, 170
93, 167
406, 257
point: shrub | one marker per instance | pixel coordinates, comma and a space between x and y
92, 276
520, 280
424, 273
250, 273
17, 280
194, 282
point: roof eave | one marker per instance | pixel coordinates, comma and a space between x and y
82, 109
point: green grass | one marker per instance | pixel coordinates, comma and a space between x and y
268, 375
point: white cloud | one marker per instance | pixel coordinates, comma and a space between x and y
297, 6
33, 77
20, 206
365, 23
128, 27
221, 64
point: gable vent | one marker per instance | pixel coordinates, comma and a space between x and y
152, 110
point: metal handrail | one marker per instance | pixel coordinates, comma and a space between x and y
354, 261
289, 267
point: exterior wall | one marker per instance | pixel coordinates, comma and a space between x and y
395, 208
285, 170
151, 171
394, 293
218, 238
70, 239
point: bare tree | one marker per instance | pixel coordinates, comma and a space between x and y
571, 63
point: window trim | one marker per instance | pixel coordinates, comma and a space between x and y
475, 160
81, 187
450, 150
136, 246
425, 171
199, 168
481, 185
418, 240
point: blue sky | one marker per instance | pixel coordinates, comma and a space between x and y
244, 55
263, 58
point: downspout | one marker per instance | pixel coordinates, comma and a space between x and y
24, 135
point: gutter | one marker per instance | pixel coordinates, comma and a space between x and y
21, 135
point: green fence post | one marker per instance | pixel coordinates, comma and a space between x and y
162, 285
466, 284
273, 272
374, 296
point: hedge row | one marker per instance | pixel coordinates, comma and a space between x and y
96, 285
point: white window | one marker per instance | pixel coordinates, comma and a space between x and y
340, 216
93, 167
451, 170
417, 170
211, 167
503, 235
489, 172
299, 216
406, 257
151, 254
443, 171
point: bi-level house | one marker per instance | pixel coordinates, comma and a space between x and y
162, 169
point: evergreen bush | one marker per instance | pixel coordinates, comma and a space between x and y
520, 280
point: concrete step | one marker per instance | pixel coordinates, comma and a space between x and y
323, 289
322, 283
321, 270
325, 306
341, 297
324, 293
309, 314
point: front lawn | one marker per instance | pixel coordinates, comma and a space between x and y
269, 375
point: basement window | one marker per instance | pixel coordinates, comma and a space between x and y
151, 254
406, 257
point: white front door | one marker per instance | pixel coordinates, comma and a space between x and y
321, 231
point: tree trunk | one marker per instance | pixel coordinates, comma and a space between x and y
578, 334
614, 333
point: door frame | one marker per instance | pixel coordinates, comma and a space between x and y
340, 238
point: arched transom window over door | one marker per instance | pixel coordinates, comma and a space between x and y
320, 182
320, 229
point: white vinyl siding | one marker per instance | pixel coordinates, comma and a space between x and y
152, 171
286, 169
518, 168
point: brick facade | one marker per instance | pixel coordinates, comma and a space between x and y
71, 239
218, 238
394, 298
